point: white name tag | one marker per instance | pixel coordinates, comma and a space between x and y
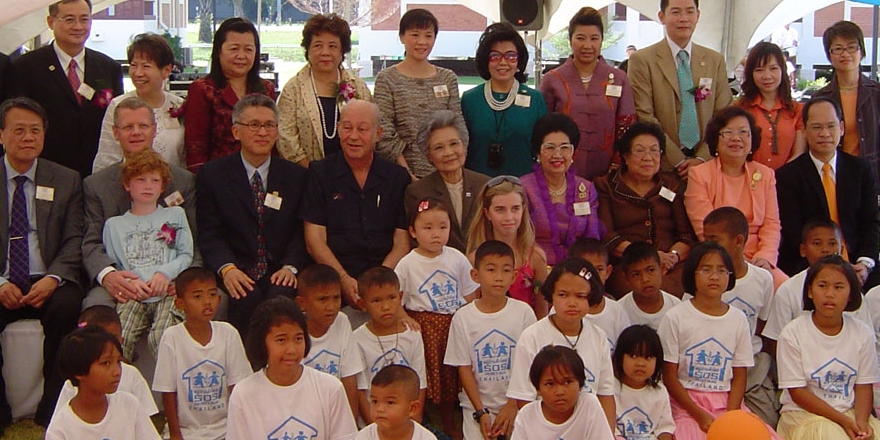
174, 199
171, 124
612, 90
706, 82
582, 208
441, 91
272, 201
523, 101
45, 193
667, 193
86, 91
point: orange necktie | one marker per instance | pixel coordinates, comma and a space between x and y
831, 197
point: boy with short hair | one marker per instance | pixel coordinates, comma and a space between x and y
151, 241
646, 304
753, 294
130, 380
482, 339
396, 398
333, 352
820, 237
384, 339
199, 361
608, 314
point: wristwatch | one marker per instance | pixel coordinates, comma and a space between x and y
479, 414
673, 251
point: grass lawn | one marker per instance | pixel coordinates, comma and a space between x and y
280, 41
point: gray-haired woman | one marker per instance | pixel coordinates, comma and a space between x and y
444, 137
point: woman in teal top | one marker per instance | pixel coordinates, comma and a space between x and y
500, 114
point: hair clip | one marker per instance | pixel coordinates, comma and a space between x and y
82, 324
424, 205
585, 274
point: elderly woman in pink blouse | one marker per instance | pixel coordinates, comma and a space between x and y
733, 179
597, 96
563, 207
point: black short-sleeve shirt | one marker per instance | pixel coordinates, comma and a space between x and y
360, 222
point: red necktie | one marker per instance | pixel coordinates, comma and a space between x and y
74, 81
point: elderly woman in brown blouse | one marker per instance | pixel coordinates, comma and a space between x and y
639, 203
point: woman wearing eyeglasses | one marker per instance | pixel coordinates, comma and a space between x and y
597, 96
564, 207
500, 113
856, 94
733, 179
638, 202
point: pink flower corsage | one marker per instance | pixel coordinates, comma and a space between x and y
178, 112
701, 93
345, 92
103, 98
168, 234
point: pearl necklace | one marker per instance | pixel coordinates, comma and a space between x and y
495, 104
321, 106
561, 190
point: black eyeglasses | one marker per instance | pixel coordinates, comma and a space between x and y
498, 180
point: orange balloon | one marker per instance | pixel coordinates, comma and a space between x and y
738, 425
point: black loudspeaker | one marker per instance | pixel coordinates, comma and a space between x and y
524, 15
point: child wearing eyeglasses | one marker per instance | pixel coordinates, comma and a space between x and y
706, 345
504, 216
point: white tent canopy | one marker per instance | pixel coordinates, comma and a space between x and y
730, 26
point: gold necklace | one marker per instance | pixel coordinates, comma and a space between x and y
847, 88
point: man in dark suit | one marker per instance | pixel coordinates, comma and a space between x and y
76, 97
802, 196
247, 205
41, 226
134, 126
5, 71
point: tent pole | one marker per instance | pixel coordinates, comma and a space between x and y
874, 44
726, 35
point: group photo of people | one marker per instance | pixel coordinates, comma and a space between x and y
637, 252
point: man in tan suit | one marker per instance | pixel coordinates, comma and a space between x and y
657, 74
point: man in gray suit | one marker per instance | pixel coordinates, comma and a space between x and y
41, 223
134, 126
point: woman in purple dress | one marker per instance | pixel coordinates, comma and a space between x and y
563, 206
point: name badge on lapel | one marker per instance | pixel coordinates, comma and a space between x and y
582, 208
45, 193
174, 199
613, 91
86, 91
667, 193
522, 101
273, 201
706, 83
441, 91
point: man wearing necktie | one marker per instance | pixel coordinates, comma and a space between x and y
72, 83
691, 77
828, 183
246, 211
41, 223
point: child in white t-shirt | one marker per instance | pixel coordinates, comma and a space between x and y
394, 402
284, 399
91, 358
643, 411
384, 339
706, 345
333, 351
436, 282
572, 287
820, 238
482, 340
199, 361
827, 361
130, 380
646, 304
753, 294
565, 410
607, 314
